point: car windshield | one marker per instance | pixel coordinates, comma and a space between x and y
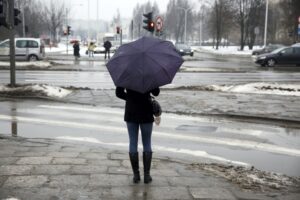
182, 46
278, 50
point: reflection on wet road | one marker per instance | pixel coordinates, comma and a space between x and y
193, 138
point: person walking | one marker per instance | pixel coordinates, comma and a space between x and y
76, 50
91, 49
138, 115
107, 45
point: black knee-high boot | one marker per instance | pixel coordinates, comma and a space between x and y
134, 159
147, 158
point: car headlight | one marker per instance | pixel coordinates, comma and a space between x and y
181, 50
262, 58
192, 50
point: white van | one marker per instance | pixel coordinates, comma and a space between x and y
29, 49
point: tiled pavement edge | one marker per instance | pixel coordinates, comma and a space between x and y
48, 169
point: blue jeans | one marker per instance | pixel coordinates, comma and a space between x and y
133, 131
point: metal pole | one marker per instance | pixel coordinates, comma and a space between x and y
185, 21
266, 23
88, 19
12, 43
23, 21
67, 31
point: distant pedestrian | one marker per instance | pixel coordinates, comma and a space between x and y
76, 50
91, 49
107, 45
139, 115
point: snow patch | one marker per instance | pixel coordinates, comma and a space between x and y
261, 88
230, 50
35, 90
251, 178
37, 64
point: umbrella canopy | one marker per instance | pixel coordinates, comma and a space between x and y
144, 64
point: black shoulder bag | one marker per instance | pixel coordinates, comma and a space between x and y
156, 108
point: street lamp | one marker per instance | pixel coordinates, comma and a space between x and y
185, 20
266, 23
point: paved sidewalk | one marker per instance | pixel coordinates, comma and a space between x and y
47, 169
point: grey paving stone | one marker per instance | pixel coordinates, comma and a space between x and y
164, 172
75, 149
15, 169
6, 153
25, 181
2, 180
119, 170
63, 154
211, 193
8, 160
29, 154
187, 181
174, 193
69, 161
244, 195
34, 161
51, 148
85, 194
29, 193
50, 169
68, 181
110, 163
107, 180
88, 169
98, 156
119, 156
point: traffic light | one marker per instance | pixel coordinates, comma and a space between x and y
16, 16
68, 30
149, 24
118, 30
3, 13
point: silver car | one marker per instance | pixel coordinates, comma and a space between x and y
29, 49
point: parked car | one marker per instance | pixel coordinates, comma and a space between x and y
184, 49
281, 56
267, 49
296, 45
30, 49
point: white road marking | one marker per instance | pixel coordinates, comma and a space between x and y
203, 139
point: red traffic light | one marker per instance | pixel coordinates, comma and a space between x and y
151, 26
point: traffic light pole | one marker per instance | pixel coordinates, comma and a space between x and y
12, 43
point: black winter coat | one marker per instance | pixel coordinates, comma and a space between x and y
138, 108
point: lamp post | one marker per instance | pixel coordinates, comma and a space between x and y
185, 20
266, 23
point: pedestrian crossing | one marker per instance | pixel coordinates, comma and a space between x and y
194, 136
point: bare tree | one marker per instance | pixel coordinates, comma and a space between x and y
54, 17
291, 12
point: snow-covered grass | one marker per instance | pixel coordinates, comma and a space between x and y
261, 88
230, 50
37, 64
38, 90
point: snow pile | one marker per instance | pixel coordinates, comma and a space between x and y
37, 64
261, 88
251, 178
230, 50
35, 91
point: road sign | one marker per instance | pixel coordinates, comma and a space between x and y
159, 23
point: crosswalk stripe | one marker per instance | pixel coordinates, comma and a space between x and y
203, 139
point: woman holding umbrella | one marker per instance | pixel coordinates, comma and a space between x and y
138, 115
138, 69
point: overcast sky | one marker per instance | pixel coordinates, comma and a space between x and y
107, 8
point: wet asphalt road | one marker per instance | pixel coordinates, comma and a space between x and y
195, 138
